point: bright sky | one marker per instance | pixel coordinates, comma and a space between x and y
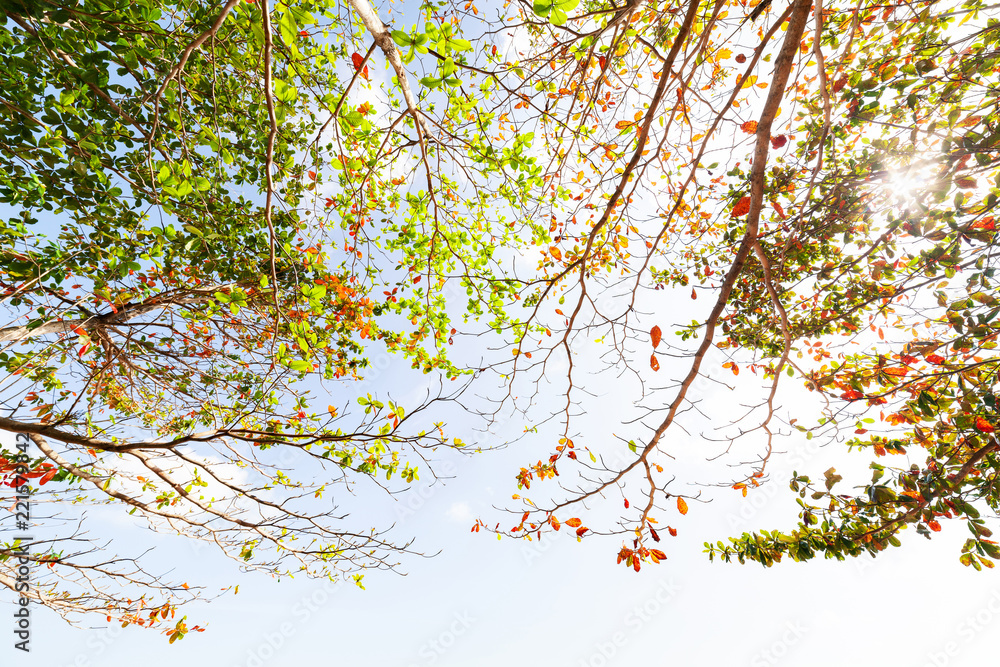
485, 602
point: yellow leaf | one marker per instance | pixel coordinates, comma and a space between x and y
723, 54
556, 253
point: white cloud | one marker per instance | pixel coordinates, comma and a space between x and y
459, 512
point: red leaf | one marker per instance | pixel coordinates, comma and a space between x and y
840, 83
672, 531
358, 60
626, 503
935, 359
778, 141
984, 426
47, 477
653, 363
742, 207
654, 534
740, 58
580, 531
656, 335
781, 211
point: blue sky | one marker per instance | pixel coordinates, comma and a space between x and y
486, 602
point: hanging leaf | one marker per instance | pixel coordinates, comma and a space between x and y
655, 335
682, 505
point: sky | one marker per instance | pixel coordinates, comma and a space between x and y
478, 601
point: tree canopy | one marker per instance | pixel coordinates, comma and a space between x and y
213, 215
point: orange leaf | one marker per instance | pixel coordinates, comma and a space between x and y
653, 363
984, 426
672, 531
623, 124
656, 335
682, 506
934, 525
556, 253
935, 359
749, 127
742, 207
574, 523
554, 522
694, 295
580, 531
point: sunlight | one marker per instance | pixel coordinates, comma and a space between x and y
905, 185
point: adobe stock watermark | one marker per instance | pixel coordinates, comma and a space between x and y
432, 649
302, 611
780, 647
634, 621
22, 520
967, 630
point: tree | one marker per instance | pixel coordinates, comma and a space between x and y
205, 205
179, 292
861, 199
